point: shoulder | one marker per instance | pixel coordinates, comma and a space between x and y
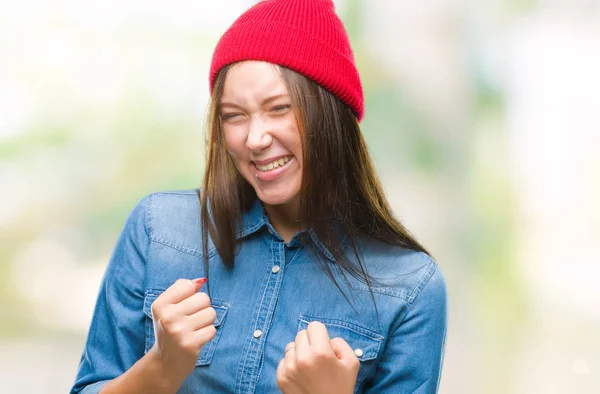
172, 218
403, 273
172, 207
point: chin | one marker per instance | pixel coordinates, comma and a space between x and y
276, 197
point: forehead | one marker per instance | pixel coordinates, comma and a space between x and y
253, 80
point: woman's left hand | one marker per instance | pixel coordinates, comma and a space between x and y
315, 364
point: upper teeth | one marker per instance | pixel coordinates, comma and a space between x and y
277, 163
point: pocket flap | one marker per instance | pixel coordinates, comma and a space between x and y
366, 343
220, 307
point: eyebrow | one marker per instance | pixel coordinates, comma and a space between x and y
264, 102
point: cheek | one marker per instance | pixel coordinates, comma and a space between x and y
235, 144
293, 139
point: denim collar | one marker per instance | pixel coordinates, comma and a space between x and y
255, 218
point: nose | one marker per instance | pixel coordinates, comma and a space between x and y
259, 135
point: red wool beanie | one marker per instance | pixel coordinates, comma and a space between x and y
303, 35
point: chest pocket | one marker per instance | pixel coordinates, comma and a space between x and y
366, 343
207, 351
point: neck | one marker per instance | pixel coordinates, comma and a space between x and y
285, 218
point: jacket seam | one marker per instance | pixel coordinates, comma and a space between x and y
407, 295
148, 219
190, 192
179, 247
423, 282
183, 249
354, 327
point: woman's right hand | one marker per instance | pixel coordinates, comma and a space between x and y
183, 323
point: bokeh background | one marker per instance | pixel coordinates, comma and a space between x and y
483, 119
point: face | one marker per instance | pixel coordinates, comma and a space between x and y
260, 131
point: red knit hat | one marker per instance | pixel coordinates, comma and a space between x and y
303, 35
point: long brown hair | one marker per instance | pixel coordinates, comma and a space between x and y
346, 203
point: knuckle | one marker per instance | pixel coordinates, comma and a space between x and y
176, 329
165, 322
208, 333
188, 344
291, 369
203, 299
320, 355
303, 364
167, 318
212, 314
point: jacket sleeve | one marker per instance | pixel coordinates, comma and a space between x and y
413, 355
116, 336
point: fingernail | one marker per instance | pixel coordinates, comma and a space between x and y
200, 281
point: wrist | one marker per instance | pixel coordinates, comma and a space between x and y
162, 377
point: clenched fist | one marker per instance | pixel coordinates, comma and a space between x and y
183, 323
317, 365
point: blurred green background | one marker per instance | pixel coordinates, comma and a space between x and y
482, 119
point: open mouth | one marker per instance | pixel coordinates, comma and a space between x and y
282, 161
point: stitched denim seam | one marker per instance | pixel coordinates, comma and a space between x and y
260, 306
388, 291
424, 279
268, 282
148, 334
177, 246
240, 383
184, 249
251, 229
247, 349
179, 193
408, 296
148, 219
275, 300
351, 326
293, 257
244, 363
156, 291
274, 244
205, 356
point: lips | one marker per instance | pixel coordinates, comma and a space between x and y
263, 174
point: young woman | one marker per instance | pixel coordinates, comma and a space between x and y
312, 285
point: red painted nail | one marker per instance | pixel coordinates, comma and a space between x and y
200, 281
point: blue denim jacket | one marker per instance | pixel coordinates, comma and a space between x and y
274, 290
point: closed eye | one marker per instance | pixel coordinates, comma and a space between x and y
281, 108
230, 116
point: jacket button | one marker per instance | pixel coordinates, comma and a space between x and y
275, 269
358, 352
257, 333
